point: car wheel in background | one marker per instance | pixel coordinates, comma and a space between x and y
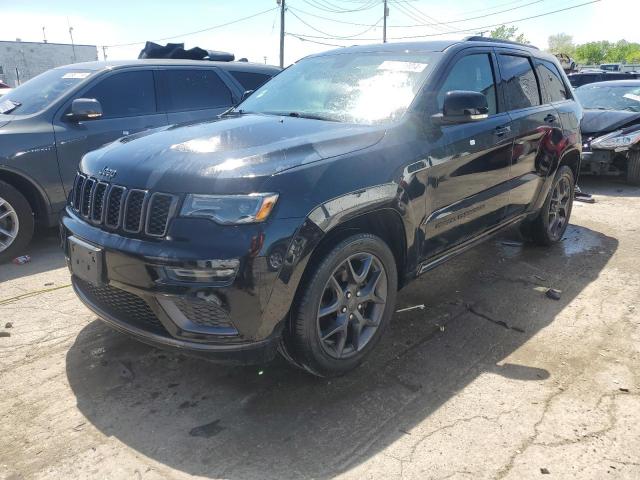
16, 222
552, 221
343, 308
633, 167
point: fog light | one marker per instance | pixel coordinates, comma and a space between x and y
206, 271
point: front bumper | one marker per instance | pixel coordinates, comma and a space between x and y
604, 162
227, 321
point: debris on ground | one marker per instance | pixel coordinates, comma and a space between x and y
22, 260
8, 325
553, 294
512, 243
580, 196
125, 371
415, 307
625, 390
544, 471
48, 284
207, 431
5, 334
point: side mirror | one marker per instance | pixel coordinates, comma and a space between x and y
462, 106
84, 109
246, 94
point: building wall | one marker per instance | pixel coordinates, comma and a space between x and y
33, 58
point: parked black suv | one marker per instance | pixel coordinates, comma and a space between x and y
47, 124
292, 221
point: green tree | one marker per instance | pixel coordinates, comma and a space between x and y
508, 33
561, 43
592, 52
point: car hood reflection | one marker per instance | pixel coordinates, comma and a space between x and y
233, 147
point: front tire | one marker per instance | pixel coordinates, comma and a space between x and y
633, 167
16, 222
343, 307
552, 220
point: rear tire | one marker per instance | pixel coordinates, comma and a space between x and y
633, 167
552, 220
343, 307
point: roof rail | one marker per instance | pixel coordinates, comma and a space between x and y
477, 38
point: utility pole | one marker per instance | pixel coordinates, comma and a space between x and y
384, 27
44, 35
104, 52
282, 10
73, 46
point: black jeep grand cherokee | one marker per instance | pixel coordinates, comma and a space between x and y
290, 223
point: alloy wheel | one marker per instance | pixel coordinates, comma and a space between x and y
352, 305
559, 207
9, 224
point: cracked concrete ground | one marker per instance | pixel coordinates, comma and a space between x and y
492, 380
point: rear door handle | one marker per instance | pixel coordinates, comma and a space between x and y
550, 118
502, 130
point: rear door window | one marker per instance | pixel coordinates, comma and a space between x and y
474, 73
554, 88
125, 94
519, 82
250, 80
194, 90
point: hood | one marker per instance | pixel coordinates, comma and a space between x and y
190, 158
6, 119
598, 122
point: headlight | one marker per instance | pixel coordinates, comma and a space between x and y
617, 140
230, 209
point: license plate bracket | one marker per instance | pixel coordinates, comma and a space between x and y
86, 261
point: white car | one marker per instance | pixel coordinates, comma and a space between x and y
4, 91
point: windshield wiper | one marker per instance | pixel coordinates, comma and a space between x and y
312, 116
4, 111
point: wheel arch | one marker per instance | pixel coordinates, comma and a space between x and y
34, 193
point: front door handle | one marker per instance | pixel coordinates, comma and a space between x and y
550, 118
502, 130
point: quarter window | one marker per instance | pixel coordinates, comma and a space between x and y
195, 90
554, 87
125, 94
250, 80
520, 85
474, 73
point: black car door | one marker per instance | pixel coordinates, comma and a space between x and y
467, 194
191, 94
128, 100
536, 127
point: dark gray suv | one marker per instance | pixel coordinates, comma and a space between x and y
50, 122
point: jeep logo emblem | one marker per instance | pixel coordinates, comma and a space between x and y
108, 172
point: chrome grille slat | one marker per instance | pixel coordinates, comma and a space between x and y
118, 208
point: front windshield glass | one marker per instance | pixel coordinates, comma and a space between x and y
361, 88
39, 92
598, 96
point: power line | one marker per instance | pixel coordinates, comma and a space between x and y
314, 41
466, 30
369, 28
327, 6
449, 22
409, 10
328, 18
196, 31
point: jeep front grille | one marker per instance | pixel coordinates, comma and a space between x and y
118, 208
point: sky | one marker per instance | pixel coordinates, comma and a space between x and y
116, 22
